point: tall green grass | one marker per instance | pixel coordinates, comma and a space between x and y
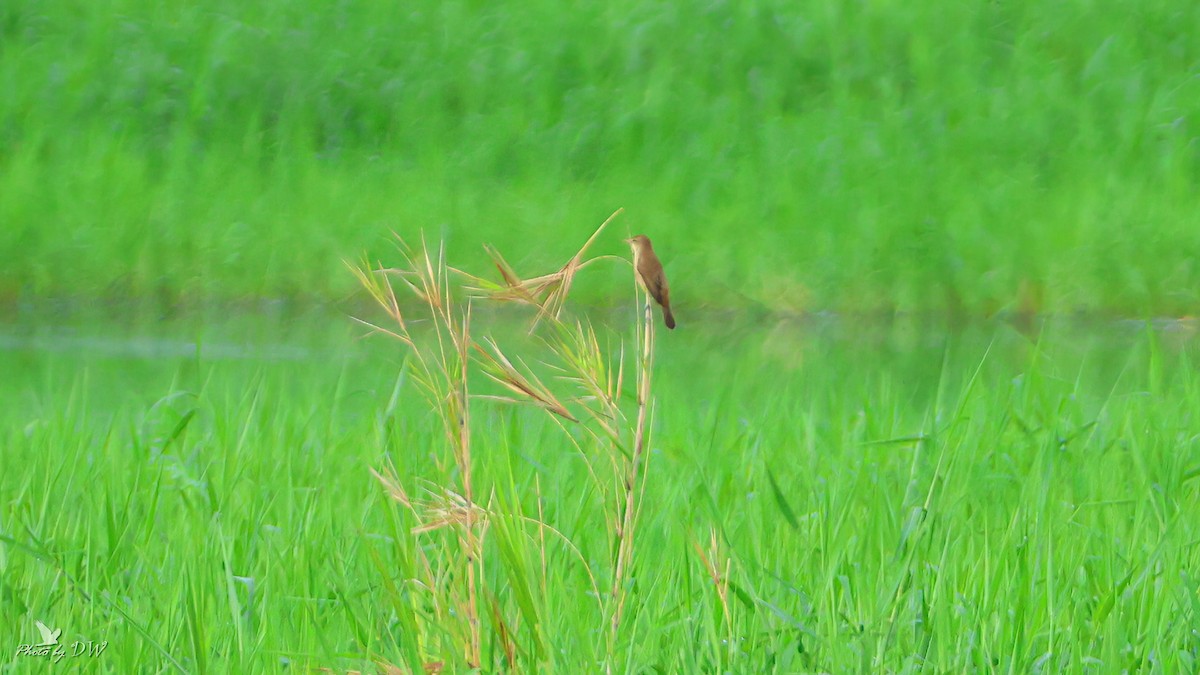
826, 500
870, 156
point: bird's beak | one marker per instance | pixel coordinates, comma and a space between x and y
629, 240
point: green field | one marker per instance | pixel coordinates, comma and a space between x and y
874, 500
849, 464
859, 156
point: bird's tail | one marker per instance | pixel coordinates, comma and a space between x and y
667, 318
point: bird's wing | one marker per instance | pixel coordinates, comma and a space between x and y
655, 287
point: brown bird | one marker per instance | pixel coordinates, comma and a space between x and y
649, 272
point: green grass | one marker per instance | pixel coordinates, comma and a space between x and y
821, 497
859, 156
1046, 518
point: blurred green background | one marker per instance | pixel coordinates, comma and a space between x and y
975, 157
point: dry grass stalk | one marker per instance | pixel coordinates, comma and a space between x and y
504, 635
442, 373
596, 409
719, 578
497, 367
631, 489
547, 292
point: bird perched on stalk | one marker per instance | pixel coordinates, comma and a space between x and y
649, 272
